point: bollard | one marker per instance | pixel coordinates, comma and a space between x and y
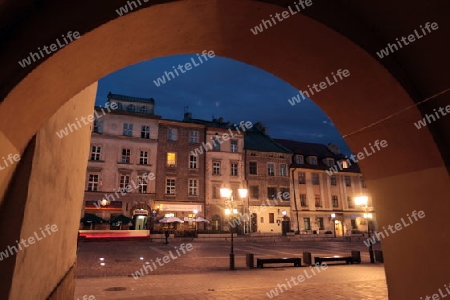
379, 256
307, 258
356, 256
250, 260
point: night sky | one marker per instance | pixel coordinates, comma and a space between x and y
222, 87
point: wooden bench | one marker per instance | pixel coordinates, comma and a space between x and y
261, 261
320, 260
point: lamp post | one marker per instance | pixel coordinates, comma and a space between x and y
195, 221
228, 193
362, 201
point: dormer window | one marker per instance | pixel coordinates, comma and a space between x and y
312, 160
130, 107
299, 159
119, 106
144, 109
329, 162
345, 164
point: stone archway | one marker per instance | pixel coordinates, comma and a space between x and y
409, 171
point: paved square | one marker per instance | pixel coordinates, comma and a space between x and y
203, 272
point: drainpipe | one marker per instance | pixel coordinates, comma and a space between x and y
295, 200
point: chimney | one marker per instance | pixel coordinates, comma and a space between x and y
187, 116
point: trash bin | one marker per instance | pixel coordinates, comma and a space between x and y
356, 256
250, 260
379, 256
307, 258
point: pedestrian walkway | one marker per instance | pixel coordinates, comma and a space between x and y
336, 282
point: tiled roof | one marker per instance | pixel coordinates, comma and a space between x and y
130, 99
319, 150
256, 140
307, 149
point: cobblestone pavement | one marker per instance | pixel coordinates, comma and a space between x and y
203, 272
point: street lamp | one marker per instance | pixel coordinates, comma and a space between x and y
195, 217
333, 218
362, 201
228, 193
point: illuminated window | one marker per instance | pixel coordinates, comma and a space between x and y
171, 159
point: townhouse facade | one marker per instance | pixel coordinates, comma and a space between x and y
222, 150
180, 181
267, 179
120, 177
321, 202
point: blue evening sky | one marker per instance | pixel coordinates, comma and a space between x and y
223, 87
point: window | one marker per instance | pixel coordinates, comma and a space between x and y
348, 181
353, 224
216, 144
333, 180
299, 159
130, 107
234, 169
95, 152
271, 218
253, 168
254, 191
170, 186
307, 223
119, 106
330, 162
271, 169
350, 203
144, 110
171, 159
334, 200
234, 145
315, 178
271, 192
216, 168
172, 134
124, 181
126, 155
345, 164
192, 162
320, 223
93, 180
193, 137
143, 158
284, 193
127, 129
312, 160
145, 132
215, 192
193, 187
142, 184
283, 170
98, 126
317, 200
303, 200
363, 182
301, 178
